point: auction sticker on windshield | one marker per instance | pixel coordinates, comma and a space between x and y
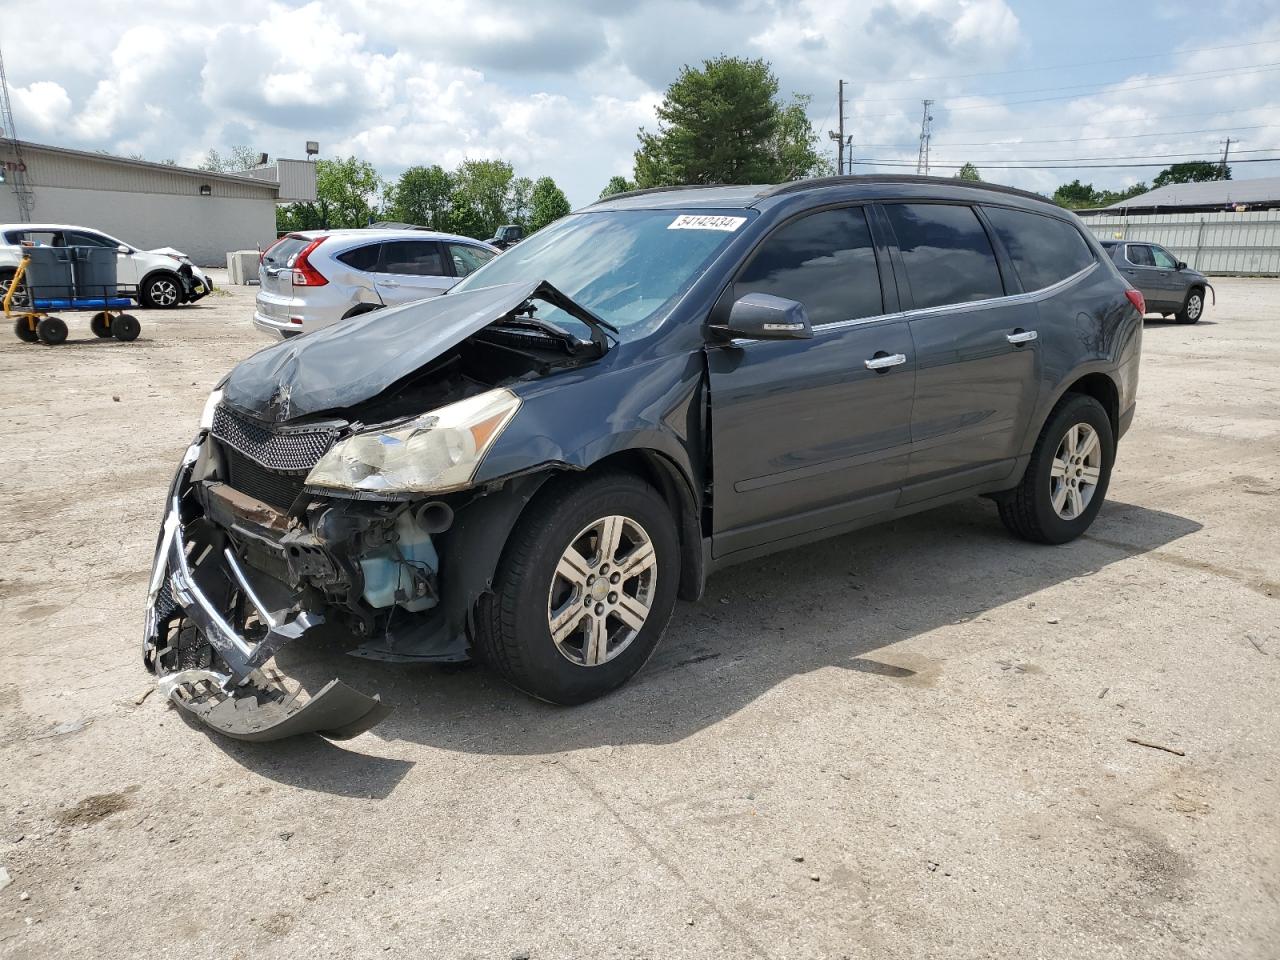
688, 221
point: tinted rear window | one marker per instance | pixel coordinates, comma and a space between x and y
418, 258
361, 258
282, 254
825, 261
946, 252
1044, 250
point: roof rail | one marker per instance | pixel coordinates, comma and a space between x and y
640, 192
795, 186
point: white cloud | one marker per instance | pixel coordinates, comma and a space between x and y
560, 87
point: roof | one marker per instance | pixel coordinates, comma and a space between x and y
1212, 193
378, 233
750, 195
204, 175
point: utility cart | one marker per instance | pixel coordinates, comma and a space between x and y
76, 279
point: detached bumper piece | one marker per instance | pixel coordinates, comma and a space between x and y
236, 697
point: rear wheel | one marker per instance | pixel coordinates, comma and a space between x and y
125, 327
1066, 481
1192, 307
24, 331
101, 324
584, 589
20, 297
51, 330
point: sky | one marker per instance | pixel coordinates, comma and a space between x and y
560, 88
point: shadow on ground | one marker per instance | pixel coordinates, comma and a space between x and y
832, 604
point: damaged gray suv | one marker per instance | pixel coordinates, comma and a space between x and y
531, 469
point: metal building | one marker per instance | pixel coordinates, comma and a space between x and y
149, 205
1217, 227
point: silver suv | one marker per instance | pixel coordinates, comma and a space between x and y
315, 278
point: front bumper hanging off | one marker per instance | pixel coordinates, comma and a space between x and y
238, 699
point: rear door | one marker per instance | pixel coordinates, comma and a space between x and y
977, 360
804, 435
412, 270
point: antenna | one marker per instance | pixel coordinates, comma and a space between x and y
926, 131
16, 166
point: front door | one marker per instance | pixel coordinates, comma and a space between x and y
411, 270
804, 434
977, 359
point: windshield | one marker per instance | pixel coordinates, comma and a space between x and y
623, 265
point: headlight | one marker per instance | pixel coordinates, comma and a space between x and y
210, 405
437, 452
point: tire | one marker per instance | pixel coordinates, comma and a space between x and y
100, 324
513, 623
360, 309
1193, 307
1029, 509
20, 298
51, 330
22, 329
126, 327
162, 291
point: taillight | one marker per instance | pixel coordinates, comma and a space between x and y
1136, 298
304, 274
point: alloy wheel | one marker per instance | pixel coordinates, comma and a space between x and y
602, 591
164, 293
1076, 470
1195, 303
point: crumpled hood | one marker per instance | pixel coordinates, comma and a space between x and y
169, 251
359, 358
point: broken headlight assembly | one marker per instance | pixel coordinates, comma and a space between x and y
210, 405
434, 453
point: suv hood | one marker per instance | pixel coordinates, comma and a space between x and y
359, 358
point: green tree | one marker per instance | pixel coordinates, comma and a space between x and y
1075, 195
547, 203
969, 172
616, 185
1195, 171
422, 196
345, 195
724, 123
481, 197
240, 158
519, 199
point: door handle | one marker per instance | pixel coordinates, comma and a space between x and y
1022, 336
885, 361
390, 283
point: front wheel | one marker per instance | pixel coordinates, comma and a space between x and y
1192, 307
162, 291
584, 590
1066, 480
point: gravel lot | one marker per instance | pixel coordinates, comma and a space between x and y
914, 741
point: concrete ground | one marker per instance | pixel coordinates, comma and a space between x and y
922, 740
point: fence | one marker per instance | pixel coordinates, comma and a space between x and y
1245, 244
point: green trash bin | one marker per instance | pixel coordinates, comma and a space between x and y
49, 275
95, 271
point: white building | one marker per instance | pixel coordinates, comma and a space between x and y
149, 205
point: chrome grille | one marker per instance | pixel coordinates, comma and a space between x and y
291, 450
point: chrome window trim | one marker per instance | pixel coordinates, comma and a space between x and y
1033, 296
1127, 245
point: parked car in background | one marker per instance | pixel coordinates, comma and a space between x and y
531, 469
164, 277
507, 236
1170, 287
314, 278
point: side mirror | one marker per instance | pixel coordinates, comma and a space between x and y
761, 316
1180, 265
123, 249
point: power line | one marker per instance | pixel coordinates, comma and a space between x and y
1122, 136
1117, 87
1066, 66
1195, 155
1217, 71
1082, 123
1059, 166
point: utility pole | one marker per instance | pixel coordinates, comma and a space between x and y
922, 158
1226, 149
21, 190
838, 135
